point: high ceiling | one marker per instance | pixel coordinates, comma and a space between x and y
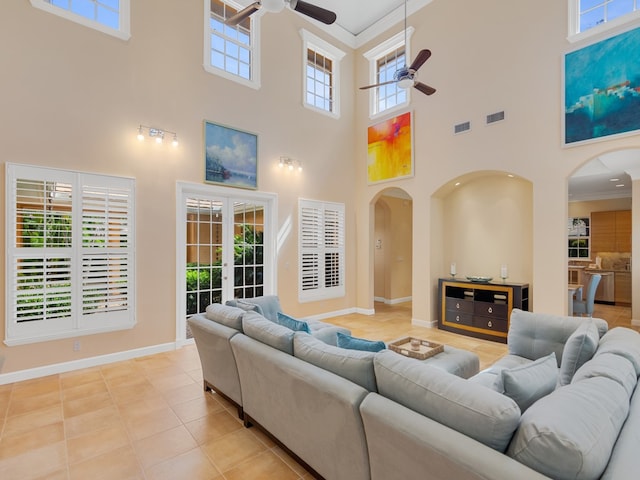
356, 16
608, 176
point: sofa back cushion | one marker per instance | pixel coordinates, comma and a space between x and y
354, 365
266, 305
617, 368
225, 315
535, 335
472, 409
579, 348
570, 433
270, 333
624, 342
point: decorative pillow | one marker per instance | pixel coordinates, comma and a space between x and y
248, 307
353, 365
580, 347
292, 324
270, 333
354, 343
617, 368
529, 383
570, 434
225, 315
471, 409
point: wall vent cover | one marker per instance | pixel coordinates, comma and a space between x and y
495, 117
462, 127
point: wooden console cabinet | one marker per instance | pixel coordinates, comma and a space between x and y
480, 310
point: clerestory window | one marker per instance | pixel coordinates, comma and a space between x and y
321, 75
384, 61
108, 16
231, 51
597, 16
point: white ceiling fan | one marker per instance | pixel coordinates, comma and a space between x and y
275, 6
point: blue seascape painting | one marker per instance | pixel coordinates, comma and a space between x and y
231, 156
602, 88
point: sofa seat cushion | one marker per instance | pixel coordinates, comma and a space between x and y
270, 333
624, 342
528, 383
354, 365
225, 315
470, 408
570, 433
617, 368
579, 348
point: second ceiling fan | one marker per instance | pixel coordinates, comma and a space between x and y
275, 6
405, 77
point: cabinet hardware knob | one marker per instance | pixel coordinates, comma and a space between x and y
489, 324
457, 318
490, 309
457, 305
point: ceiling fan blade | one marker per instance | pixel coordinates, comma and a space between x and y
378, 84
426, 89
313, 11
243, 14
423, 56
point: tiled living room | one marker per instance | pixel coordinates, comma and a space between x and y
149, 418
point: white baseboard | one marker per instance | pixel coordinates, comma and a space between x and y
424, 323
392, 301
365, 311
635, 322
84, 363
337, 313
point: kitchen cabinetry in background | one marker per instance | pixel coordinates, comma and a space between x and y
623, 288
610, 231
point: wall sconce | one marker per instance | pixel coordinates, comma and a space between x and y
290, 163
156, 133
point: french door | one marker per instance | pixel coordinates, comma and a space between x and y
225, 248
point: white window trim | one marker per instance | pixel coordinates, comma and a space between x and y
373, 55
616, 24
315, 43
254, 81
78, 324
123, 33
322, 292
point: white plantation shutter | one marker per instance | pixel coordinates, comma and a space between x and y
321, 252
70, 254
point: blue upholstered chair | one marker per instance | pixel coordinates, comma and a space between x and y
585, 306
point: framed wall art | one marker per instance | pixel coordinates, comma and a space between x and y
602, 89
230, 156
390, 149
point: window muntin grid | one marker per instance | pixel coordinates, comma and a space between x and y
597, 12
391, 95
319, 84
231, 48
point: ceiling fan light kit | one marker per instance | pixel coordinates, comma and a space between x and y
275, 6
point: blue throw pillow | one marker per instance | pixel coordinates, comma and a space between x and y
354, 343
292, 324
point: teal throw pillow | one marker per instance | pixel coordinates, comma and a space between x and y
292, 324
354, 343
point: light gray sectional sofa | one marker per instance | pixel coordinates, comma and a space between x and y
562, 404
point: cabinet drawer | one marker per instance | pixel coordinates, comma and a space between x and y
452, 316
491, 309
488, 323
459, 305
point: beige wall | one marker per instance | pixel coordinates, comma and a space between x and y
72, 98
584, 209
487, 57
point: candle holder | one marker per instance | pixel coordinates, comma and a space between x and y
503, 273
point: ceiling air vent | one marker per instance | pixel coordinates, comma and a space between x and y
461, 128
495, 117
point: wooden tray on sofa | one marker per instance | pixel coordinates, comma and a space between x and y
425, 350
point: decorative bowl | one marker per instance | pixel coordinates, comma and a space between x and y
477, 279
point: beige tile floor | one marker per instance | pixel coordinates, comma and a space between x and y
149, 418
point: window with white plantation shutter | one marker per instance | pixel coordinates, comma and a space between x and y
70, 254
321, 252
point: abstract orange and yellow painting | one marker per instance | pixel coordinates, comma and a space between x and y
389, 149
